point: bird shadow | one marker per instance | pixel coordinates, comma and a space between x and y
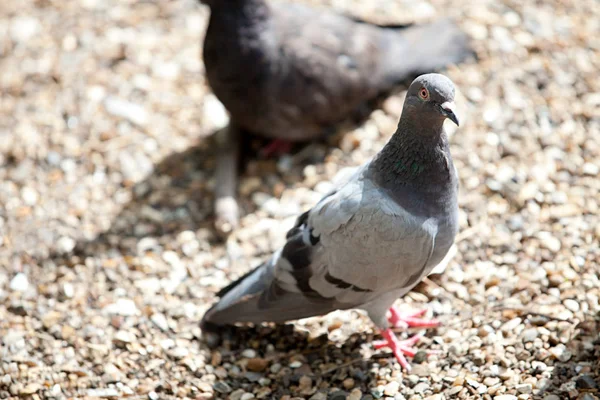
579, 374
289, 357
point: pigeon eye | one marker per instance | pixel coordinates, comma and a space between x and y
424, 94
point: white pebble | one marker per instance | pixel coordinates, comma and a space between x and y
19, 283
125, 109
571, 305
124, 307
65, 244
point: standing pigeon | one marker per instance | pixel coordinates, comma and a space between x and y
290, 72
371, 239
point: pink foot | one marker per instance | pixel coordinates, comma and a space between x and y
277, 146
398, 347
405, 320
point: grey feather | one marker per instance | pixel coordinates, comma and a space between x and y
289, 71
374, 237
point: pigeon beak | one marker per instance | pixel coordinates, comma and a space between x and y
448, 109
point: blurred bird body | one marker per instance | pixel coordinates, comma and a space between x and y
373, 237
290, 71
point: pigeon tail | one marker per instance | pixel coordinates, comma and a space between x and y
413, 50
255, 298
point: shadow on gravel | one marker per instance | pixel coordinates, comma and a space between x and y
292, 357
579, 376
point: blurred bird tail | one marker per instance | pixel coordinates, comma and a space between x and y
413, 50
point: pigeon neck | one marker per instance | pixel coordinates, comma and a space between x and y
416, 155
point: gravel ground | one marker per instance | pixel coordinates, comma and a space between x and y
108, 258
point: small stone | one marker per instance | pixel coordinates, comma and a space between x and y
104, 392
153, 395
319, 396
68, 290
391, 388
295, 364
420, 387
65, 244
263, 393
571, 305
275, 368
160, 321
551, 397
356, 394
348, 383
524, 388
249, 353
247, 396
338, 395
222, 387
123, 337
586, 382
529, 335
511, 325
30, 389
178, 352
19, 283
561, 353
257, 364
305, 384
505, 397
122, 108
236, 394
124, 307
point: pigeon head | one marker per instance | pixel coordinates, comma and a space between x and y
430, 98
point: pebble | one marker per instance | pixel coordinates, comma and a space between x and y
529, 335
505, 397
524, 388
561, 353
318, 396
160, 321
122, 108
178, 352
392, 388
348, 383
258, 365
355, 394
586, 382
222, 387
106, 392
66, 244
571, 305
249, 353
19, 283
124, 307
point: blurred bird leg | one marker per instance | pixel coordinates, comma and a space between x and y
226, 178
276, 147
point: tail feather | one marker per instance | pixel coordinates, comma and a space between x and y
419, 49
256, 298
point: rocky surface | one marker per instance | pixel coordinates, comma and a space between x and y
108, 258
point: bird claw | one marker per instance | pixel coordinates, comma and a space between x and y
411, 320
398, 347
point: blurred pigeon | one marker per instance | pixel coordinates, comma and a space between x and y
371, 239
290, 72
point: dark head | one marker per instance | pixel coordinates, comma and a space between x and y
430, 99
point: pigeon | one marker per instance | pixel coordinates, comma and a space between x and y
290, 72
371, 239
